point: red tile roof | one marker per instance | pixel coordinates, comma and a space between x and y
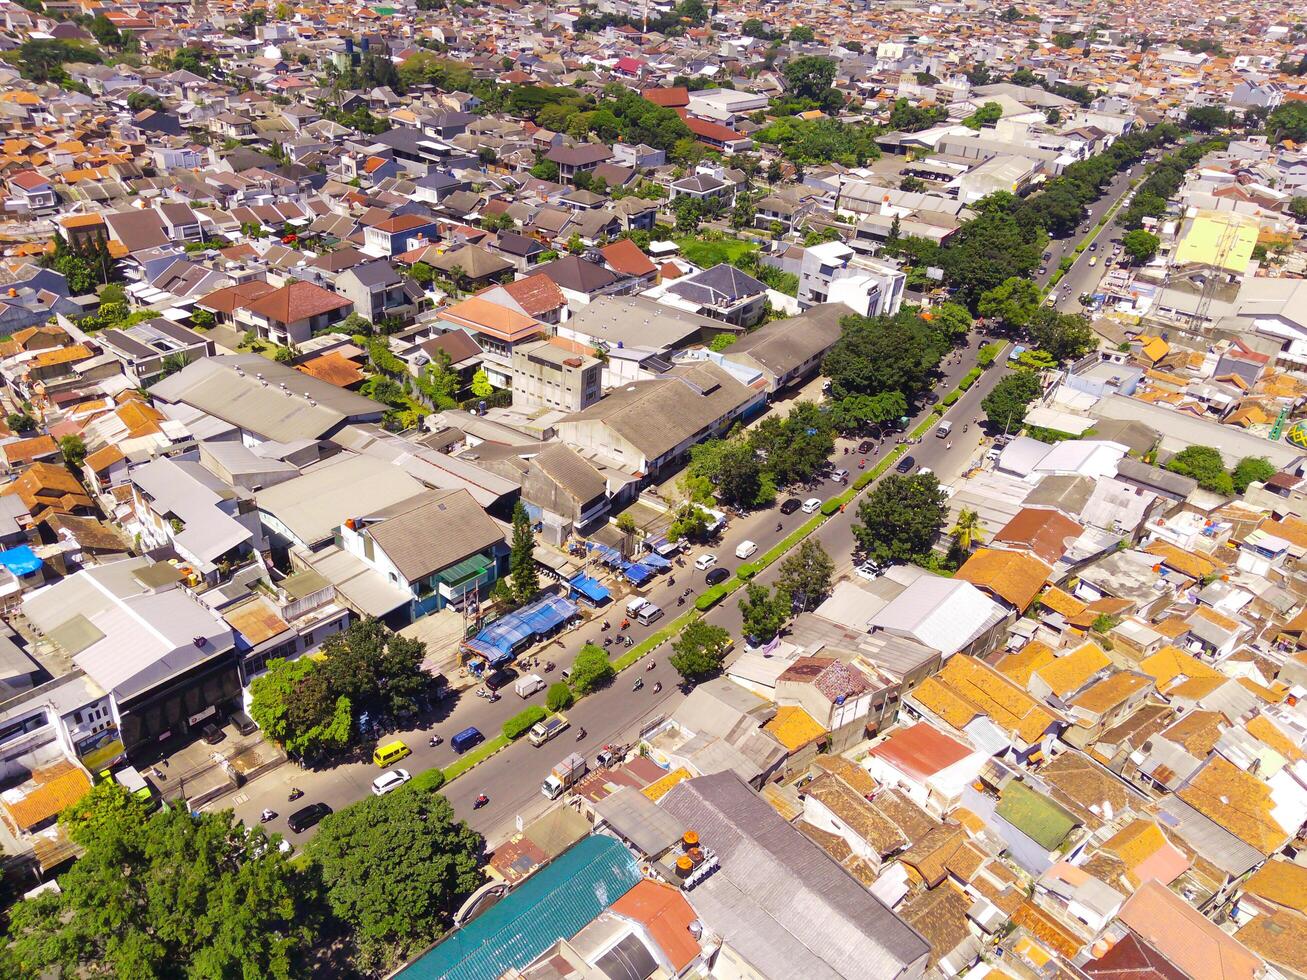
297, 301
921, 750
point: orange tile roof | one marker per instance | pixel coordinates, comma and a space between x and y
1061, 602
1237, 801
1066, 673
497, 321
966, 687
1012, 575
333, 368
1282, 883
1019, 666
794, 728
1185, 562
58, 787
667, 917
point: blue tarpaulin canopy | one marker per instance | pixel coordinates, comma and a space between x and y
655, 561
607, 555
500, 641
639, 574
590, 589
21, 560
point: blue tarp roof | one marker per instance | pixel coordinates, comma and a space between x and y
590, 588
639, 574
499, 641
21, 560
655, 561
556, 902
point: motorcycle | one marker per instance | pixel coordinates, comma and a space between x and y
779, 527
493, 698
964, 428
481, 801
658, 686
580, 734
652, 664
549, 665
608, 641
434, 740
630, 641
626, 625
295, 794
605, 627
267, 815
638, 684
680, 600
948, 445
862, 464
671, 579
481, 692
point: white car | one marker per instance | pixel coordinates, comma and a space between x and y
811, 505
705, 561
388, 781
869, 570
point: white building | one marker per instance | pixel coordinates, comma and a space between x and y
832, 272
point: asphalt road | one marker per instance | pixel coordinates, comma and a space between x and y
512, 777
1083, 278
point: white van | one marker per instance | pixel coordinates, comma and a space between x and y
635, 604
746, 549
943, 429
648, 613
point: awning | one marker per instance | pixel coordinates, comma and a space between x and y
500, 641
657, 562
639, 574
590, 589
468, 568
21, 560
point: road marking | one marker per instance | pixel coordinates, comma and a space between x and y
239, 798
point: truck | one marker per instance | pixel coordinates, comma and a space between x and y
563, 776
527, 685
542, 731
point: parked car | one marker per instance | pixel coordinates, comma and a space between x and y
500, 678
811, 505
243, 723
905, 464
790, 506
388, 781
211, 733
840, 475
306, 817
718, 575
865, 446
869, 570
705, 560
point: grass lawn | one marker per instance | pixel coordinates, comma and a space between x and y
707, 254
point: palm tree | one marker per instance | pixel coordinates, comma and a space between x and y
967, 530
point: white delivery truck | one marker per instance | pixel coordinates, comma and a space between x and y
563, 776
528, 684
542, 731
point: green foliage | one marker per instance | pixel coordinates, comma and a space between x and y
521, 723
1251, 469
809, 142
481, 386
42, 59
1298, 206
1104, 623
904, 117
591, 670
1151, 197
1014, 302
803, 33
20, 422
794, 447
1140, 245
699, 650
1063, 336
881, 354
689, 524
394, 869
721, 342
194, 60
559, 696
854, 412
522, 570
968, 379
1005, 406
1204, 464
422, 274
168, 895
900, 519
764, 611
1206, 118
809, 76
74, 451
140, 101
986, 115
807, 573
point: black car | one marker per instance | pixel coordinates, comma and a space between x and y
309, 816
500, 678
790, 506
865, 446
717, 576
211, 733
906, 464
931, 398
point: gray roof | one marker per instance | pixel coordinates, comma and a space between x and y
1174, 484
779, 899
424, 534
783, 345
314, 504
247, 391
722, 285
640, 323
379, 273
575, 273
641, 821
1208, 838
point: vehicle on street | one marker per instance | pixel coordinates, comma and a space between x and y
1093, 246
705, 560
931, 398
543, 731
211, 733
905, 464
633, 605
390, 753
306, 817
943, 429
1043, 270
866, 446
811, 505
388, 781
563, 776
790, 506
610, 755
1093, 261
840, 475
525, 686
869, 570
467, 738
717, 576
648, 613
243, 723
500, 678
747, 549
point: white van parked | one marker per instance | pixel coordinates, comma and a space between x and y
635, 604
746, 549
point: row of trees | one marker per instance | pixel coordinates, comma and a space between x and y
177, 894
1018, 304
1151, 198
880, 363
1205, 465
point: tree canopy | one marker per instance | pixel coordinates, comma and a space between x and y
880, 354
1005, 406
1013, 301
765, 611
591, 669
1204, 464
806, 574
900, 519
521, 559
699, 650
1140, 245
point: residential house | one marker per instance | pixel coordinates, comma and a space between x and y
292, 314
378, 292
550, 376
32, 192
497, 330
723, 293
832, 272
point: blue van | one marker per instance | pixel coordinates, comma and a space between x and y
467, 738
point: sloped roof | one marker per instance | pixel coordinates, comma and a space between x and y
1012, 575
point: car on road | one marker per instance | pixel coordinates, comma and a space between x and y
705, 560
811, 505
905, 464
388, 781
469, 737
790, 506
1043, 270
865, 446
1048, 255
306, 817
931, 398
747, 549
500, 678
1093, 261
840, 475
1093, 246
717, 576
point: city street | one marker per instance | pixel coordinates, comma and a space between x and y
512, 777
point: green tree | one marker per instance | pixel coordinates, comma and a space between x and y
699, 650
966, 531
104, 31
1014, 302
1251, 469
1287, 122
20, 422
626, 523
481, 386
802, 33
881, 354
200, 319
721, 342
74, 451
1140, 245
591, 670
806, 574
1005, 406
1206, 118
853, 412
731, 467
765, 611
422, 274
1063, 336
809, 76
174, 894
558, 697
794, 447
952, 319
986, 115
753, 27
394, 869
291, 702
140, 101
1298, 206
1204, 464
900, 519
521, 561
689, 524
545, 170
376, 669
